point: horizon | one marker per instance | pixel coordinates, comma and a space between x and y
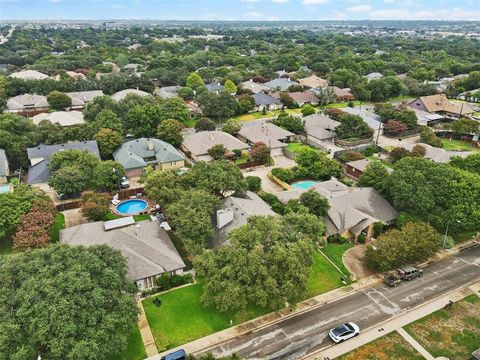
238, 10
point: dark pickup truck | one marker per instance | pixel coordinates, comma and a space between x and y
391, 279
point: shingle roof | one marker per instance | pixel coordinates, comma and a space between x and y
3, 164
20, 102
438, 155
39, 171
439, 102
266, 132
361, 165
64, 118
253, 86
147, 246
200, 142
280, 83
303, 97
167, 92
29, 75
320, 126
373, 76
85, 96
264, 99
132, 154
122, 94
313, 81
214, 87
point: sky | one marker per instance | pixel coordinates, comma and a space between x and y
269, 10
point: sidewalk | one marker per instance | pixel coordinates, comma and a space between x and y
394, 324
213, 340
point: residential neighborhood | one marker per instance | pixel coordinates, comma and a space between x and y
238, 189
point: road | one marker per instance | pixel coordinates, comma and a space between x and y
305, 333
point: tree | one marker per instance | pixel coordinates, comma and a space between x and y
230, 87
58, 100
191, 215
170, 130
161, 186
107, 175
71, 179
194, 81
205, 124
394, 127
108, 141
107, 119
186, 93
429, 137
375, 175
398, 153
413, 242
232, 126
315, 165
470, 163
287, 100
95, 206
315, 202
254, 183
217, 152
218, 106
307, 109
265, 263
418, 150
352, 127
143, 120
260, 152
344, 78
99, 273
82, 158
465, 126
99, 104
290, 123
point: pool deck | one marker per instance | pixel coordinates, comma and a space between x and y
147, 210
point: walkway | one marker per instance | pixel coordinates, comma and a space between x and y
262, 172
147, 336
415, 344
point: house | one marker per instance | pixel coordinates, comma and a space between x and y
313, 81
438, 155
320, 127
131, 68
29, 75
146, 246
373, 120
254, 87
167, 92
4, 169
342, 94
136, 155
214, 87
235, 212
356, 168
122, 94
72, 75
267, 102
280, 84
27, 104
80, 99
281, 73
63, 118
373, 76
40, 156
439, 104
426, 118
197, 145
270, 134
304, 97
353, 211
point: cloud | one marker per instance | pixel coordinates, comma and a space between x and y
251, 0
253, 14
359, 8
280, 1
388, 1
314, 2
426, 14
56, 1
117, 6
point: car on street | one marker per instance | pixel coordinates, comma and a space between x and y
176, 355
391, 279
409, 272
344, 332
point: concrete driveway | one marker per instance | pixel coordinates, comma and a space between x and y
354, 261
262, 172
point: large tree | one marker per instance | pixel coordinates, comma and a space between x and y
413, 242
470, 163
316, 203
58, 100
108, 141
265, 263
170, 130
217, 106
375, 175
65, 302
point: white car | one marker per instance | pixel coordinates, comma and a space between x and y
344, 332
124, 182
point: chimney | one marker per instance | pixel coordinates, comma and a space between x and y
224, 217
150, 146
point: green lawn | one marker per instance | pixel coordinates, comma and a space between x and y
457, 145
190, 122
135, 349
57, 226
182, 318
295, 147
342, 105
324, 277
453, 333
385, 163
335, 253
461, 237
137, 218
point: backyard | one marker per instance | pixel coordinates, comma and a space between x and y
391, 346
458, 145
453, 333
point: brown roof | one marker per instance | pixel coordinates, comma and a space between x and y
303, 97
313, 81
342, 93
439, 102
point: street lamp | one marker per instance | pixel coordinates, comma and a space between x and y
446, 233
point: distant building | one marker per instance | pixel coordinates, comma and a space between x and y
439, 155
146, 245
271, 135
267, 102
304, 97
167, 92
439, 104
63, 118
4, 169
136, 155
80, 99
235, 212
280, 84
120, 95
197, 145
356, 168
373, 76
214, 87
320, 127
29, 75
40, 156
253, 86
28, 104
313, 82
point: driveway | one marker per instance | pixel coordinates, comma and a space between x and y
73, 217
354, 261
262, 172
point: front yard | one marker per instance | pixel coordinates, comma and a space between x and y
453, 333
135, 349
324, 277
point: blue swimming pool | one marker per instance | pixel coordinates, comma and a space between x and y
132, 207
304, 185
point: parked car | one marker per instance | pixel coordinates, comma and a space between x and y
409, 272
67, 196
391, 279
344, 332
124, 183
176, 355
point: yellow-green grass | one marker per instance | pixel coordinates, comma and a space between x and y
323, 277
135, 349
335, 253
453, 333
388, 347
458, 145
295, 147
58, 225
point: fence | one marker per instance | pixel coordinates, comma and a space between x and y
403, 134
350, 144
360, 148
251, 164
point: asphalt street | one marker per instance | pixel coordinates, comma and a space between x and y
305, 333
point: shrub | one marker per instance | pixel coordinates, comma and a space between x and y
237, 152
273, 201
205, 124
308, 110
286, 175
95, 206
342, 240
369, 151
361, 238
419, 150
167, 281
378, 229
398, 153
217, 152
254, 183
448, 243
429, 137
260, 152
350, 155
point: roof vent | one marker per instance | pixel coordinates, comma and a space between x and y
150, 146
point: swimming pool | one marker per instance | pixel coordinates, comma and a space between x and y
132, 207
303, 185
